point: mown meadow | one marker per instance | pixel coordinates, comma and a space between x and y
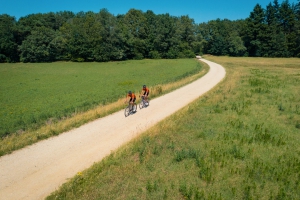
44, 99
241, 140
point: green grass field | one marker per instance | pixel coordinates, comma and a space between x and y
239, 141
33, 95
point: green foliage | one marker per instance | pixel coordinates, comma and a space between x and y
154, 55
253, 35
223, 38
97, 36
102, 37
36, 47
36, 94
236, 46
8, 46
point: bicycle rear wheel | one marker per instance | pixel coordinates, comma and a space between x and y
127, 111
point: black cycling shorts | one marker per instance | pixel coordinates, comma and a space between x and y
132, 100
146, 93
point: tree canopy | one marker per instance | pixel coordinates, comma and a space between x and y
273, 31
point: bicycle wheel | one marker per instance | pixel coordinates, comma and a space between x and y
127, 111
141, 105
134, 109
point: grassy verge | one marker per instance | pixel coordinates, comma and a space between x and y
39, 93
239, 141
54, 126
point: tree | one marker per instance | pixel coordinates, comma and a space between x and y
62, 17
89, 36
58, 48
199, 43
151, 19
288, 21
297, 29
164, 30
218, 46
82, 35
134, 28
236, 45
186, 30
222, 37
8, 45
275, 41
36, 47
255, 31
30, 22
110, 45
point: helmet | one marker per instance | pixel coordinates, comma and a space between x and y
144, 86
129, 92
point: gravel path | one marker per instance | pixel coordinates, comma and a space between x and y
37, 170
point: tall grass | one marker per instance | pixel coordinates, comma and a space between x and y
54, 126
239, 141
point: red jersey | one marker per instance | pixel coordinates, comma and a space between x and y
146, 90
132, 95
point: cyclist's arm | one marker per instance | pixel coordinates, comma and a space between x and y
126, 99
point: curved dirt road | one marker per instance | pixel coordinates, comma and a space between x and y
36, 171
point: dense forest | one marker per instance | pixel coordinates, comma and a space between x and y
273, 31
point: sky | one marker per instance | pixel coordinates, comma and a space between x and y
199, 10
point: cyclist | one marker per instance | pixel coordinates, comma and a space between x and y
145, 93
132, 99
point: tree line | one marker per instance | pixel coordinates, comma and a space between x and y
273, 31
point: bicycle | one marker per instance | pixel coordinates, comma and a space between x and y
144, 103
130, 109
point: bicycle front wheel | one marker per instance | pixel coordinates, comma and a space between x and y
141, 105
127, 111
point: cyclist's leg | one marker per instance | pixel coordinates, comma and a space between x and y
133, 104
130, 104
133, 101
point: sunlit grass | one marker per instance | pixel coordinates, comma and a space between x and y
31, 94
238, 141
54, 126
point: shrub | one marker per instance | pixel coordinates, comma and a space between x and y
154, 55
